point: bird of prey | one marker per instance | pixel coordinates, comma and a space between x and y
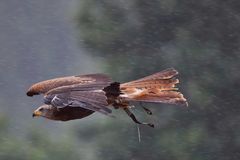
76, 97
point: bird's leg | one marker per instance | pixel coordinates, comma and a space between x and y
132, 116
146, 109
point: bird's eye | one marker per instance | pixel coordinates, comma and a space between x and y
41, 109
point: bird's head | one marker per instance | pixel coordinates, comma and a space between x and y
46, 111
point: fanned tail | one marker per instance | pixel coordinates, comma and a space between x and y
158, 88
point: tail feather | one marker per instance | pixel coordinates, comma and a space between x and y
170, 97
157, 83
159, 88
165, 74
157, 99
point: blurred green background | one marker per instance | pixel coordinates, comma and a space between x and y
126, 39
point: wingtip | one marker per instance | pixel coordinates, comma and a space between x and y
30, 93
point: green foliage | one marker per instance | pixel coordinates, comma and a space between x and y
200, 39
36, 146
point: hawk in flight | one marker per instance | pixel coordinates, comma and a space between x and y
75, 97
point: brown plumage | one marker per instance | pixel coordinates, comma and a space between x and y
62, 114
45, 86
76, 97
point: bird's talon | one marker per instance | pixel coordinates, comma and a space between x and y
151, 125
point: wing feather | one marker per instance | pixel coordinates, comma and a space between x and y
78, 87
45, 86
92, 100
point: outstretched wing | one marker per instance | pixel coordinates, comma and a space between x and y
78, 87
94, 100
45, 86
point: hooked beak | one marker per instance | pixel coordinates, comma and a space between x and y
36, 114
